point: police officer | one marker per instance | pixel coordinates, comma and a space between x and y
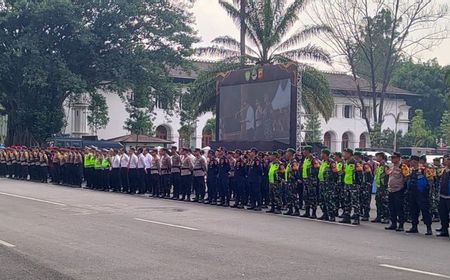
254, 177
275, 184
155, 172
396, 192
187, 166
166, 167
175, 172
351, 191
419, 189
198, 179
289, 184
211, 178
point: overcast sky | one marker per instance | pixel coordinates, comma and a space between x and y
212, 21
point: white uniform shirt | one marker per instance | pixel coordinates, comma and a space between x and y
116, 161
133, 161
148, 161
141, 161
124, 159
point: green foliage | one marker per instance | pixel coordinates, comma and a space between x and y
444, 128
419, 135
139, 121
266, 24
186, 133
210, 127
54, 49
313, 129
428, 81
98, 112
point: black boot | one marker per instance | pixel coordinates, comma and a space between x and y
345, 219
429, 230
413, 229
277, 211
271, 210
400, 228
356, 221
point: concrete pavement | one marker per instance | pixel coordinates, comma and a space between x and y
65, 233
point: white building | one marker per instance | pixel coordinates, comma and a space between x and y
345, 129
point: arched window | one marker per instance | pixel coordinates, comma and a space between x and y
327, 140
345, 141
363, 141
161, 132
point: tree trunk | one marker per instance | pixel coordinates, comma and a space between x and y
16, 134
243, 4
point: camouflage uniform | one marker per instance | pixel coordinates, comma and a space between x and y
290, 189
351, 192
275, 187
381, 196
326, 191
366, 194
435, 192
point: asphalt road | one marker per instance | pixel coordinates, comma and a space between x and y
52, 232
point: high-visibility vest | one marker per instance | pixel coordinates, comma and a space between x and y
349, 173
105, 163
305, 168
273, 167
323, 166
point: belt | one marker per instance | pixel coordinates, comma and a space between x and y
197, 169
185, 169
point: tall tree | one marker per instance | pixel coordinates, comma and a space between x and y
372, 36
428, 81
98, 112
419, 135
444, 128
313, 131
266, 25
54, 49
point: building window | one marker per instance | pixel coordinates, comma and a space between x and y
327, 140
363, 141
161, 102
345, 141
348, 111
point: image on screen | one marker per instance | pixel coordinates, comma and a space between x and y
255, 112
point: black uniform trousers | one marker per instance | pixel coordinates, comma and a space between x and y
444, 212
155, 184
115, 179
133, 180
124, 181
396, 200
419, 202
255, 193
223, 184
186, 185
141, 180
211, 182
199, 187
176, 177
165, 185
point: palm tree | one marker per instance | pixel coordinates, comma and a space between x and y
266, 23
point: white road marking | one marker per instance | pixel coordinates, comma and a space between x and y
165, 224
33, 199
415, 271
6, 244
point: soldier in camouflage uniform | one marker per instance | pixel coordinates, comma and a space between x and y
351, 190
338, 177
275, 184
309, 183
435, 190
326, 188
289, 184
366, 191
381, 196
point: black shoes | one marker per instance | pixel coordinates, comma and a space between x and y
376, 220
429, 231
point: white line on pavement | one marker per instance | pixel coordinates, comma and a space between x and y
33, 199
6, 244
415, 271
165, 224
